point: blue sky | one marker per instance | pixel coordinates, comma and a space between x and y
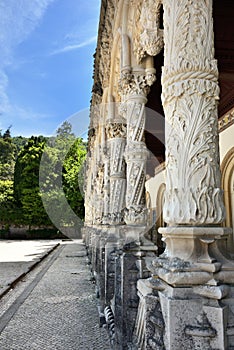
46, 64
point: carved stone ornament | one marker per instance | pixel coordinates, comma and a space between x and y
136, 84
190, 94
117, 164
136, 215
148, 37
116, 130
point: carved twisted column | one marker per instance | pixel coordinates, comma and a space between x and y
106, 189
136, 85
116, 133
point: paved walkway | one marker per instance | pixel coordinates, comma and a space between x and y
54, 306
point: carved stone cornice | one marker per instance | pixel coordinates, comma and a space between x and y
226, 120
102, 56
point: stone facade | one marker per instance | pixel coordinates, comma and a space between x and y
183, 298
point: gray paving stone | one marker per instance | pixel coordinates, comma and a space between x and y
61, 312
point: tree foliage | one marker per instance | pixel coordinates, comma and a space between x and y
26, 183
24, 177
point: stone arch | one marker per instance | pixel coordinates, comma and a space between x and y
227, 171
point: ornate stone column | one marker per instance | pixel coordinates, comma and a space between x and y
193, 198
190, 97
192, 279
106, 188
116, 133
135, 84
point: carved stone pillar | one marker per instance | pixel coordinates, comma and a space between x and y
193, 197
190, 96
106, 189
135, 85
116, 133
199, 278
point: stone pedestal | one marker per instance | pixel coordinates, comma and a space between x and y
193, 256
129, 267
183, 318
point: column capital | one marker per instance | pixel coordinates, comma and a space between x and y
136, 83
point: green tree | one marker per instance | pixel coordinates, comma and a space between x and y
26, 183
19, 142
65, 131
59, 177
7, 158
7, 163
72, 171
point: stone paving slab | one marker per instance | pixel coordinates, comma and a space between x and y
60, 313
17, 258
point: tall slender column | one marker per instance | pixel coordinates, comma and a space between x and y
193, 198
192, 279
135, 84
116, 133
106, 189
190, 97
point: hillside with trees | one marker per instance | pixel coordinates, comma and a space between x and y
29, 171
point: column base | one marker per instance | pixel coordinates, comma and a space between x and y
178, 318
194, 256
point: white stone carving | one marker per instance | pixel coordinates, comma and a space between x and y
134, 86
190, 95
136, 83
116, 133
147, 34
106, 189
116, 130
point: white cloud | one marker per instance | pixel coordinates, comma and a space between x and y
17, 20
72, 47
